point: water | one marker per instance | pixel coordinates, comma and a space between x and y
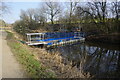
99, 60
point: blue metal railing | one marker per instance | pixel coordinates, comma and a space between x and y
54, 37
49, 36
62, 34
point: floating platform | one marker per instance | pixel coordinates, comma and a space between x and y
66, 42
54, 39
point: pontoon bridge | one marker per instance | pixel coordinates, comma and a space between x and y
54, 38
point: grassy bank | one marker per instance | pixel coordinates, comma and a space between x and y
27, 59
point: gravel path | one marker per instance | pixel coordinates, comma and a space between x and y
10, 67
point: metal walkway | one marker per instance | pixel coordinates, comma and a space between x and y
54, 38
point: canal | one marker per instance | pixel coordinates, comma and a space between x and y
100, 60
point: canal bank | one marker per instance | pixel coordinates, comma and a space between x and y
42, 64
105, 38
78, 60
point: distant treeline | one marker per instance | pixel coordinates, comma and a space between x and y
99, 17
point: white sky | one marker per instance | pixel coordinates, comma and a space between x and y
55, 0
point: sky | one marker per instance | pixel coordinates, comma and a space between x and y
15, 9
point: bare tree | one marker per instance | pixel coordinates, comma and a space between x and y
98, 12
40, 16
73, 6
52, 10
3, 8
24, 15
116, 9
81, 15
31, 13
70, 12
28, 18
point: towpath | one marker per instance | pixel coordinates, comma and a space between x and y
9, 66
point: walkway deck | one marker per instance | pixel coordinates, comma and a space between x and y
55, 38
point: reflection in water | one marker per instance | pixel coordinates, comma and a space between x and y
96, 60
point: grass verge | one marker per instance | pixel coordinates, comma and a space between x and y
26, 58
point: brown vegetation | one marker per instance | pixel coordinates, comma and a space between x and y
56, 63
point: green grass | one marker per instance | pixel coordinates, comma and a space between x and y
23, 55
